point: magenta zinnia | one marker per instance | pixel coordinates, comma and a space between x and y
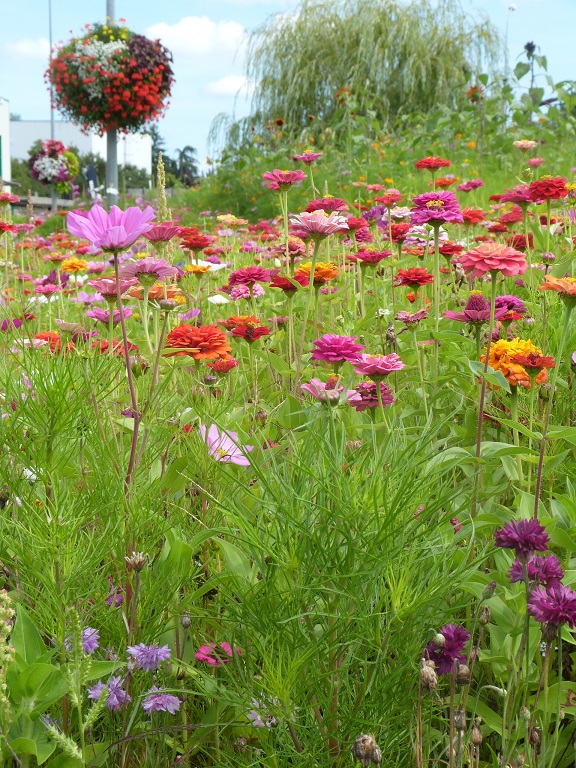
318, 225
436, 208
332, 348
378, 365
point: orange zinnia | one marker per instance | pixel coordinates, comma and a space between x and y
323, 271
503, 356
565, 286
206, 342
237, 320
157, 292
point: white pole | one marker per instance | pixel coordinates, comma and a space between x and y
111, 137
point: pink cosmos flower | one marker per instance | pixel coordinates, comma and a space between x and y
148, 270
436, 208
318, 225
284, 179
332, 348
114, 231
378, 365
223, 446
493, 257
216, 654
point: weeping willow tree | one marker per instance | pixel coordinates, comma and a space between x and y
394, 57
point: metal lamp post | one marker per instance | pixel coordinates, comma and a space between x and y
111, 136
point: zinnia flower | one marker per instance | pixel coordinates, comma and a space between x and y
318, 225
413, 277
476, 311
525, 144
249, 275
564, 286
327, 204
378, 365
205, 342
436, 208
524, 537
308, 157
493, 257
365, 395
114, 231
162, 233
325, 392
148, 270
432, 163
503, 355
223, 446
548, 188
250, 332
216, 654
284, 179
450, 650
332, 348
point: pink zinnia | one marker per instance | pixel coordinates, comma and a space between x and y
148, 270
326, 392
284, 179
327, 204
162, 233
336, 349
114, 231
317, 225
468, 186
106, 287
519, 195
366, 395
378, 365
308, 157
493, 257
436, 208
249, 276
216, 654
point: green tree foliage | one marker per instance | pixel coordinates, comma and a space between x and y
388, 56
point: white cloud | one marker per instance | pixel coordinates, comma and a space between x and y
231, 85
194, 35
30, 49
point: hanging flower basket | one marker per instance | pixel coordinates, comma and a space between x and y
54, 164
111, 78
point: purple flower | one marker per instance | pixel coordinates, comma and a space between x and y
523, 536
149, 657
90, 639
148, 270
162, 233
336, 349
117, 696
545, 571
411, 318
11, 322
366, 395
223, 446
86, 298
555, 605
114, 231
190, 315
444, 656
476, 311
436, 208
103, 315
511, 303
156, 701
518, 195
115, 598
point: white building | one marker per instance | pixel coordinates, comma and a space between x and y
135, 149
5, 172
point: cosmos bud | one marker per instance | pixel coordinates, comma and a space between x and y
366, 751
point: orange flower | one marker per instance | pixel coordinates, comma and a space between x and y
74, 265
503, 356
157, 292
237, 320
207, 342
196, 269
565, 286
323, 271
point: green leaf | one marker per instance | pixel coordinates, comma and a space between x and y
496, 378
237, 561
521, 69
276, 362
38, 687
29, 737
448, 458
64, 761
176, 476
26, 639
101, 669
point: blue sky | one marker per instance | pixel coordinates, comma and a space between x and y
207, 42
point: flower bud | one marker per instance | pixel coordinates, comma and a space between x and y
366, 751
439, 640
476, 735
549, 632
535, 738
524, 714
528, 321
548, 258
168, 305
544, 392
428, 676
463, 674
527, 174
489, 590
185, 620
139, 365
459, 719
210, 380
261, 417
484, 617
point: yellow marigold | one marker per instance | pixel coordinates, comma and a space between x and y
502, 354
74, 265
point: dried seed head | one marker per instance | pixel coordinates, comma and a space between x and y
261, 417
535, 738
463, 674
241, 744
366, 751
528, 321
136, 561
459, 719
476, 735
474, 654
428, 676
484, 617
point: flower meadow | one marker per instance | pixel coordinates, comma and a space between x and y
296, 490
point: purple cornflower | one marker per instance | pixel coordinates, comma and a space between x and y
223, 446
103, 315
336, 349
555, 605
90, 639
511, 303
117, 696
366, 395
545, 571
149, 657
156, 701
444, 656
523, 536
436, 208
114, 231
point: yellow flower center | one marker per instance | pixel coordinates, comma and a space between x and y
435, 204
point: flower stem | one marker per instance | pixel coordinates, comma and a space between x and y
307, 309
515, 433
553, 380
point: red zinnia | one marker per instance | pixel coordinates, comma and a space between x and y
413, 276
432, 163
548, 187
206, 342
250, 332
472, 216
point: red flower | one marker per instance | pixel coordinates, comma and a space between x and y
413, 276
250, 332
548, 187
206, 342
473, 216
432, 163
